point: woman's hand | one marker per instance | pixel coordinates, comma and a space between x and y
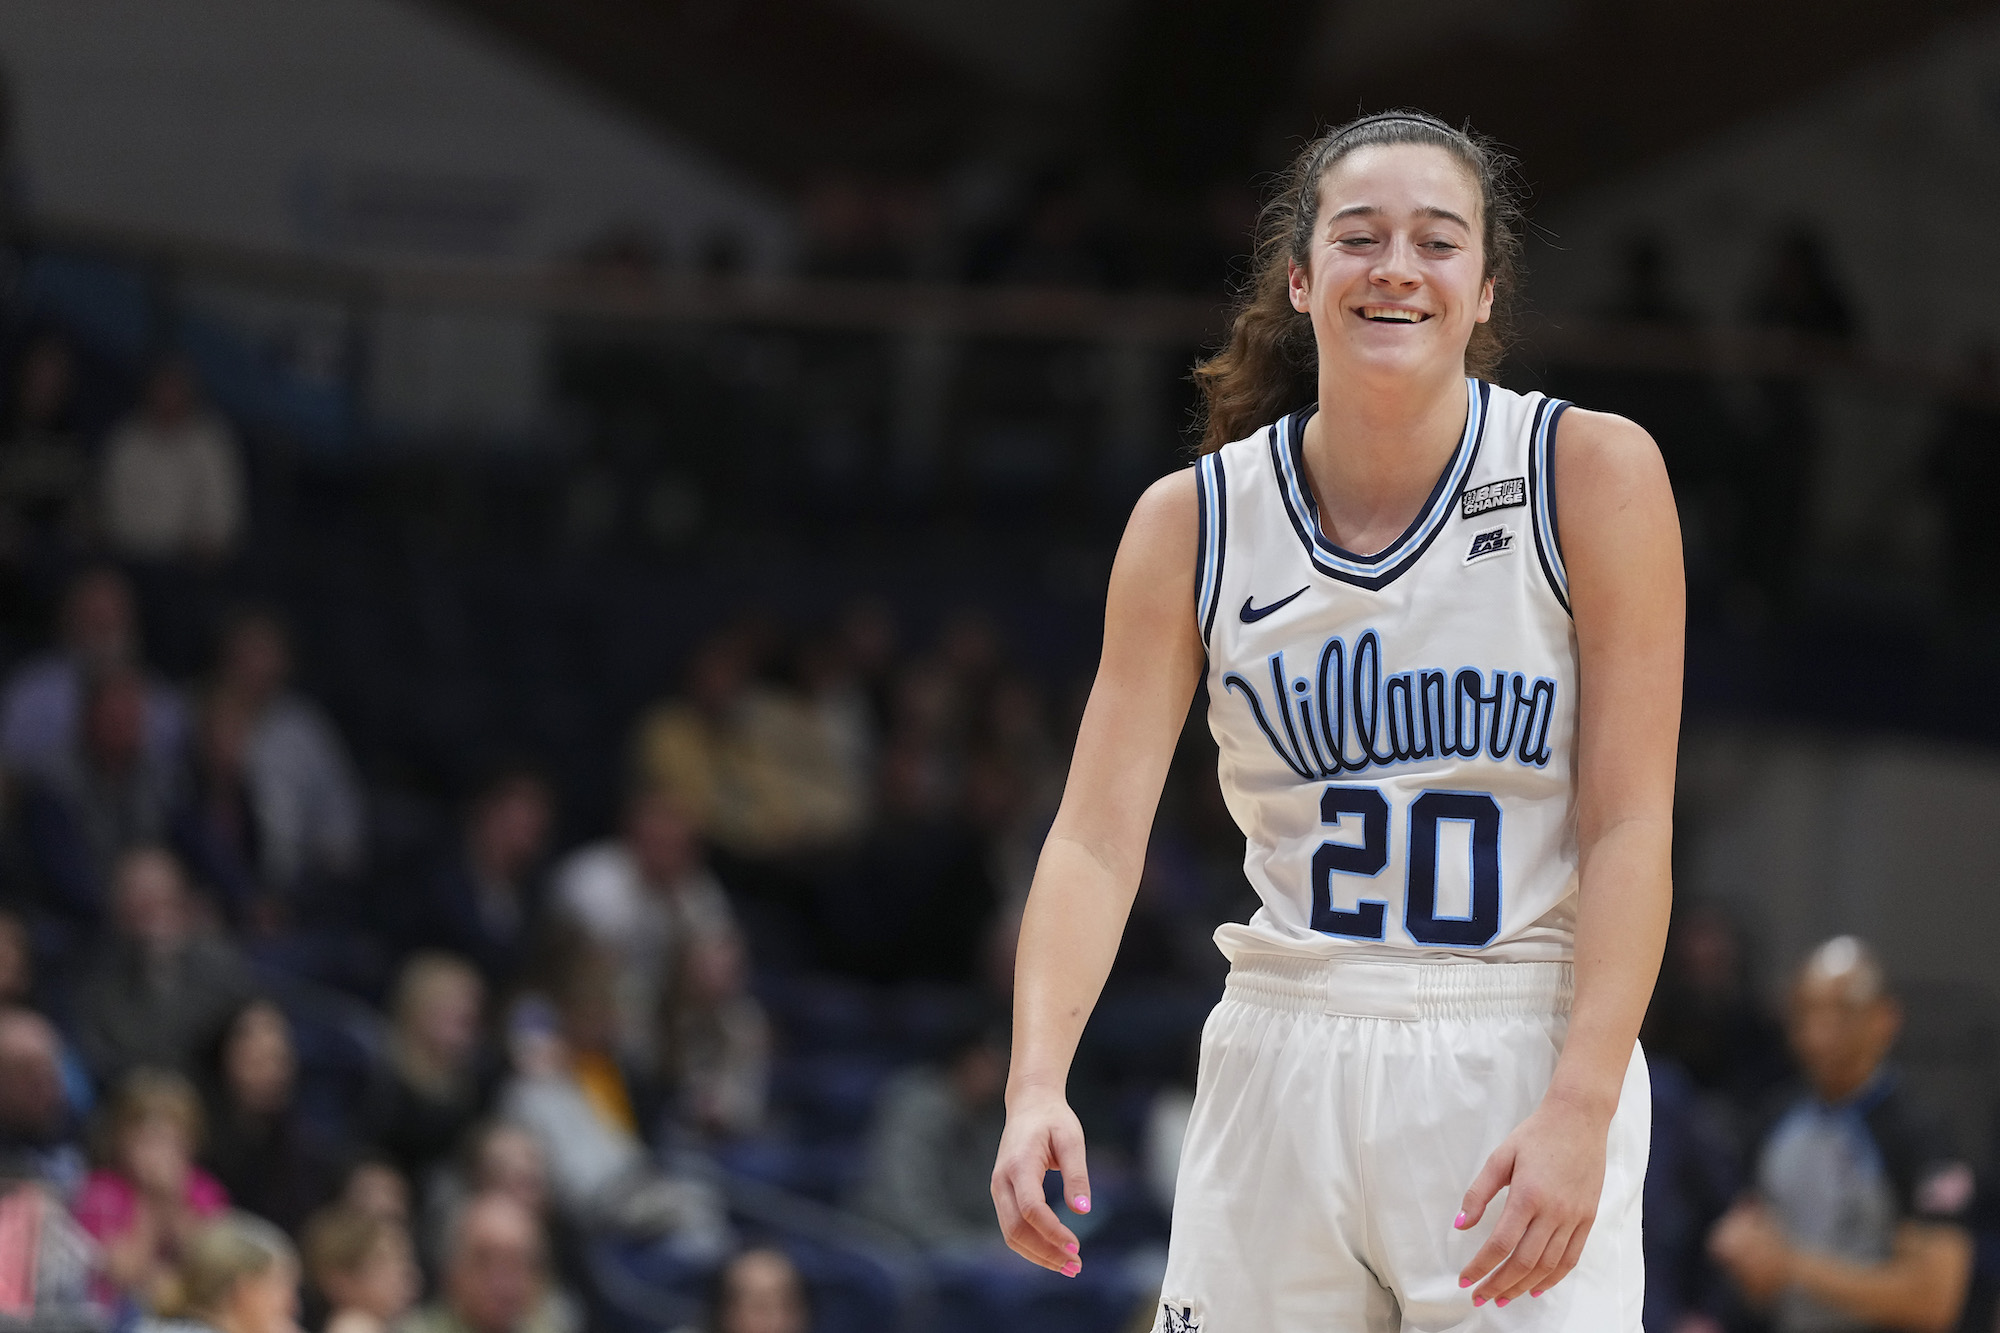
1043, 1134
1552, 1167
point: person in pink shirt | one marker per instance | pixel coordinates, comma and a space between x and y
148, 1198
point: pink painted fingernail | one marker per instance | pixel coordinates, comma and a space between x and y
1072, 1268
1502, 1302
1479, 1300
1534, 1293
1071, 1247
1459, 1221
1464, 1282
1082, 1203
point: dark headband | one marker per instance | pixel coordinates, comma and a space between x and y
1386, 117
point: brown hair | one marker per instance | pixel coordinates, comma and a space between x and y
1269, 366
423, 978
149, 1094
340, 1239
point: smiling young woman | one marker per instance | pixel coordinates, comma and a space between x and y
1447, 726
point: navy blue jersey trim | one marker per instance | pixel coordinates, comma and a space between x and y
1541, 479
1202, 542
1286, 441
1214, 494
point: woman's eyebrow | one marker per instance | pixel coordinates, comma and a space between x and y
1429, 210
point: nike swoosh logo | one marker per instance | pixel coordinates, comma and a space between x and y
1254, 613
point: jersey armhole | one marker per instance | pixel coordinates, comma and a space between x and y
1212, 531
1542, 483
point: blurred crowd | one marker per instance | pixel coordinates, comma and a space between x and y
733, 1060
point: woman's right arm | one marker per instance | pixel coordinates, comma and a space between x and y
1090, 865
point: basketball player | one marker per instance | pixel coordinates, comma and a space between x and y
1440, 628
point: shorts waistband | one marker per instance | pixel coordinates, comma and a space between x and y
1383, 988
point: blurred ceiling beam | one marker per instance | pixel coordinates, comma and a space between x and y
1193, 90
784, 88
1613, 83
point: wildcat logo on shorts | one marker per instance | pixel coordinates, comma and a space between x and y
1486, 545
1183, 1320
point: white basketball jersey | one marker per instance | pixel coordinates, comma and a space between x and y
1396, 730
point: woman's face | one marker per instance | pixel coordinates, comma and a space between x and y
385, 1284
511, 1163
155, 1154
258, 1061
266, 1303
378, 1191
763, 1296
1395, 276
447, 1019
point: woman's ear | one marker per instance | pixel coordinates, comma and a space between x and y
1485, 302
1299, 281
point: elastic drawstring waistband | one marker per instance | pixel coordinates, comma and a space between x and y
1380, 988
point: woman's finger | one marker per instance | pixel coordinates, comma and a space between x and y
1023, 1236
1492, 1178
1070, 1161
1572, 1255
1057, 1242
1514, 1219
1540, 1266
1521, 1261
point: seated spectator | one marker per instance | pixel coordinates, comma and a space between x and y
374, 1187
759, 1291
497, 1157
47, 1261
503, 1158
507, 1159
641, 899
495, 1277
38, 1138
436, 1083
271, 1160
162, 987
239, 1275
364, 1268
43, 462
930, 1148
215, 826
19, 988
570, 1094
86, 808
481, 903
753, 766
173, 478
147, 1199
302, 792
716, 1040
1856, 1218
44, 698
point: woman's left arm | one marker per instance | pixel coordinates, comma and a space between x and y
1621, 544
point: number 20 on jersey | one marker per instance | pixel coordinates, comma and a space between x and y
1428, 813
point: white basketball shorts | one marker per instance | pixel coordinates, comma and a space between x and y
1343, 1108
